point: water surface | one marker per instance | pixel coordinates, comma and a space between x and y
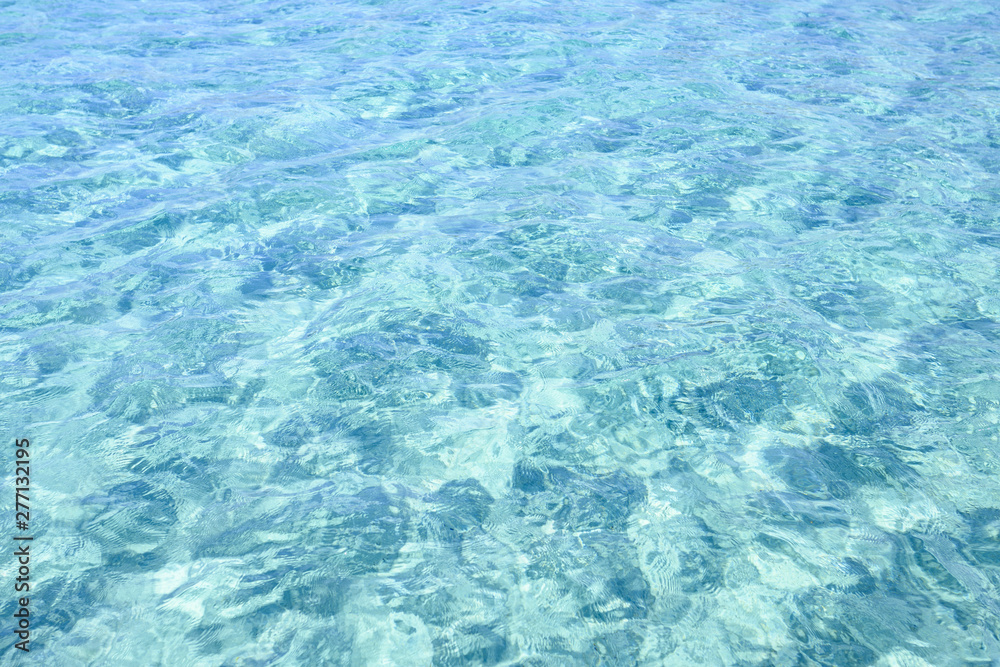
526, 333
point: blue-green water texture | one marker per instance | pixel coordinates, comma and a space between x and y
526, 333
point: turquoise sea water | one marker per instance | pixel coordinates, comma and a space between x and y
528, 333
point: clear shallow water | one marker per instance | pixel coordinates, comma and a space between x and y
657, 333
